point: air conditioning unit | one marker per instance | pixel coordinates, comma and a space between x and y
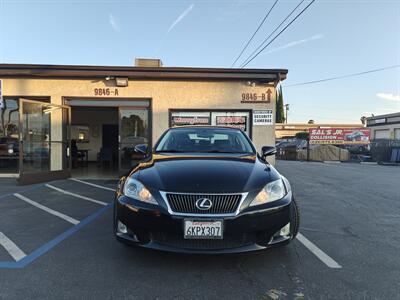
148, 62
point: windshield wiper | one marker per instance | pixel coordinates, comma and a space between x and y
223, 151
170, 151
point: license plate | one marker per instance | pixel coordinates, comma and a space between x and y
203, 229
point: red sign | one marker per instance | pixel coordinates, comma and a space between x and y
235, 122
339, 136
176, 121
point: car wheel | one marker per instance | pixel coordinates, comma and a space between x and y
295, 218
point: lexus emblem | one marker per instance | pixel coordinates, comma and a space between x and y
204, 203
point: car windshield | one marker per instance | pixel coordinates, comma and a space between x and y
214, 140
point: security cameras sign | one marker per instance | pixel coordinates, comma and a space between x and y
263, 117
1, 95
344, 136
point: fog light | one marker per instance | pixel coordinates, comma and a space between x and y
285, 231
122, 228
10, 151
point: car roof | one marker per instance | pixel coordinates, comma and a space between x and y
204, 126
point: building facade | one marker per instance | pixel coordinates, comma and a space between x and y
55, 119
385, 126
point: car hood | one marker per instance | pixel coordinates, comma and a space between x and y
204, 174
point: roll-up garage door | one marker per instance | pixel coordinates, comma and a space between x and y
382, 134
397, 133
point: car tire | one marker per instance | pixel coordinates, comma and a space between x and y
295, 218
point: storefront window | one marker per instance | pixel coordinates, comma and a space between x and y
236, 119
9, 144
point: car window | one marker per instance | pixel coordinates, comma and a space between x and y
204, 140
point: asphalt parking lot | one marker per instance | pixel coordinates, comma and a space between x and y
56, 242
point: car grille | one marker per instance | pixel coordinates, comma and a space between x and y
186, 203
177, 241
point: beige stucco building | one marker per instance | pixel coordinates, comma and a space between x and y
61, 119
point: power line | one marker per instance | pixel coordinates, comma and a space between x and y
255, 32
262, 44
344, 76
270, 42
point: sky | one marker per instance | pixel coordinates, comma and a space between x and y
332, 38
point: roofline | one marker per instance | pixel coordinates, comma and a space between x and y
397, 114
173, 73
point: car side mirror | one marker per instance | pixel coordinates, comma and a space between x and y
141, 148
268, 151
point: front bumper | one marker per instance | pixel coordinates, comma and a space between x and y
152, 226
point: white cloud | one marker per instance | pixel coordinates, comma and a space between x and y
387, 96
180, 17
114, 22
177, 20
296, 43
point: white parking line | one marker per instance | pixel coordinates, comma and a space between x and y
322, 256
92, 184
11, 248
75, 195
46, 209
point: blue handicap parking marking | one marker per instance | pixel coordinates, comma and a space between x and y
54, 242
51, 204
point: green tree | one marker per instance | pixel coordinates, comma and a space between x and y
280, 114
303, 135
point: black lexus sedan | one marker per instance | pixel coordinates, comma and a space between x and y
205, 189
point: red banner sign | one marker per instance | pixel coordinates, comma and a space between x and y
176, 121
235, 122
342, 136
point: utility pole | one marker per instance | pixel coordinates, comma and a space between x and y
286, 110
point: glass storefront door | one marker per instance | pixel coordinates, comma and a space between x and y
133, 130
44, 142
9, 136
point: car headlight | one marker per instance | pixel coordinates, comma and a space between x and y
135, 189
273, 191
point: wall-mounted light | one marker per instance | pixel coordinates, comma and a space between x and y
81, 136
121, 81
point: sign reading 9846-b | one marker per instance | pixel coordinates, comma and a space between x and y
264, 97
